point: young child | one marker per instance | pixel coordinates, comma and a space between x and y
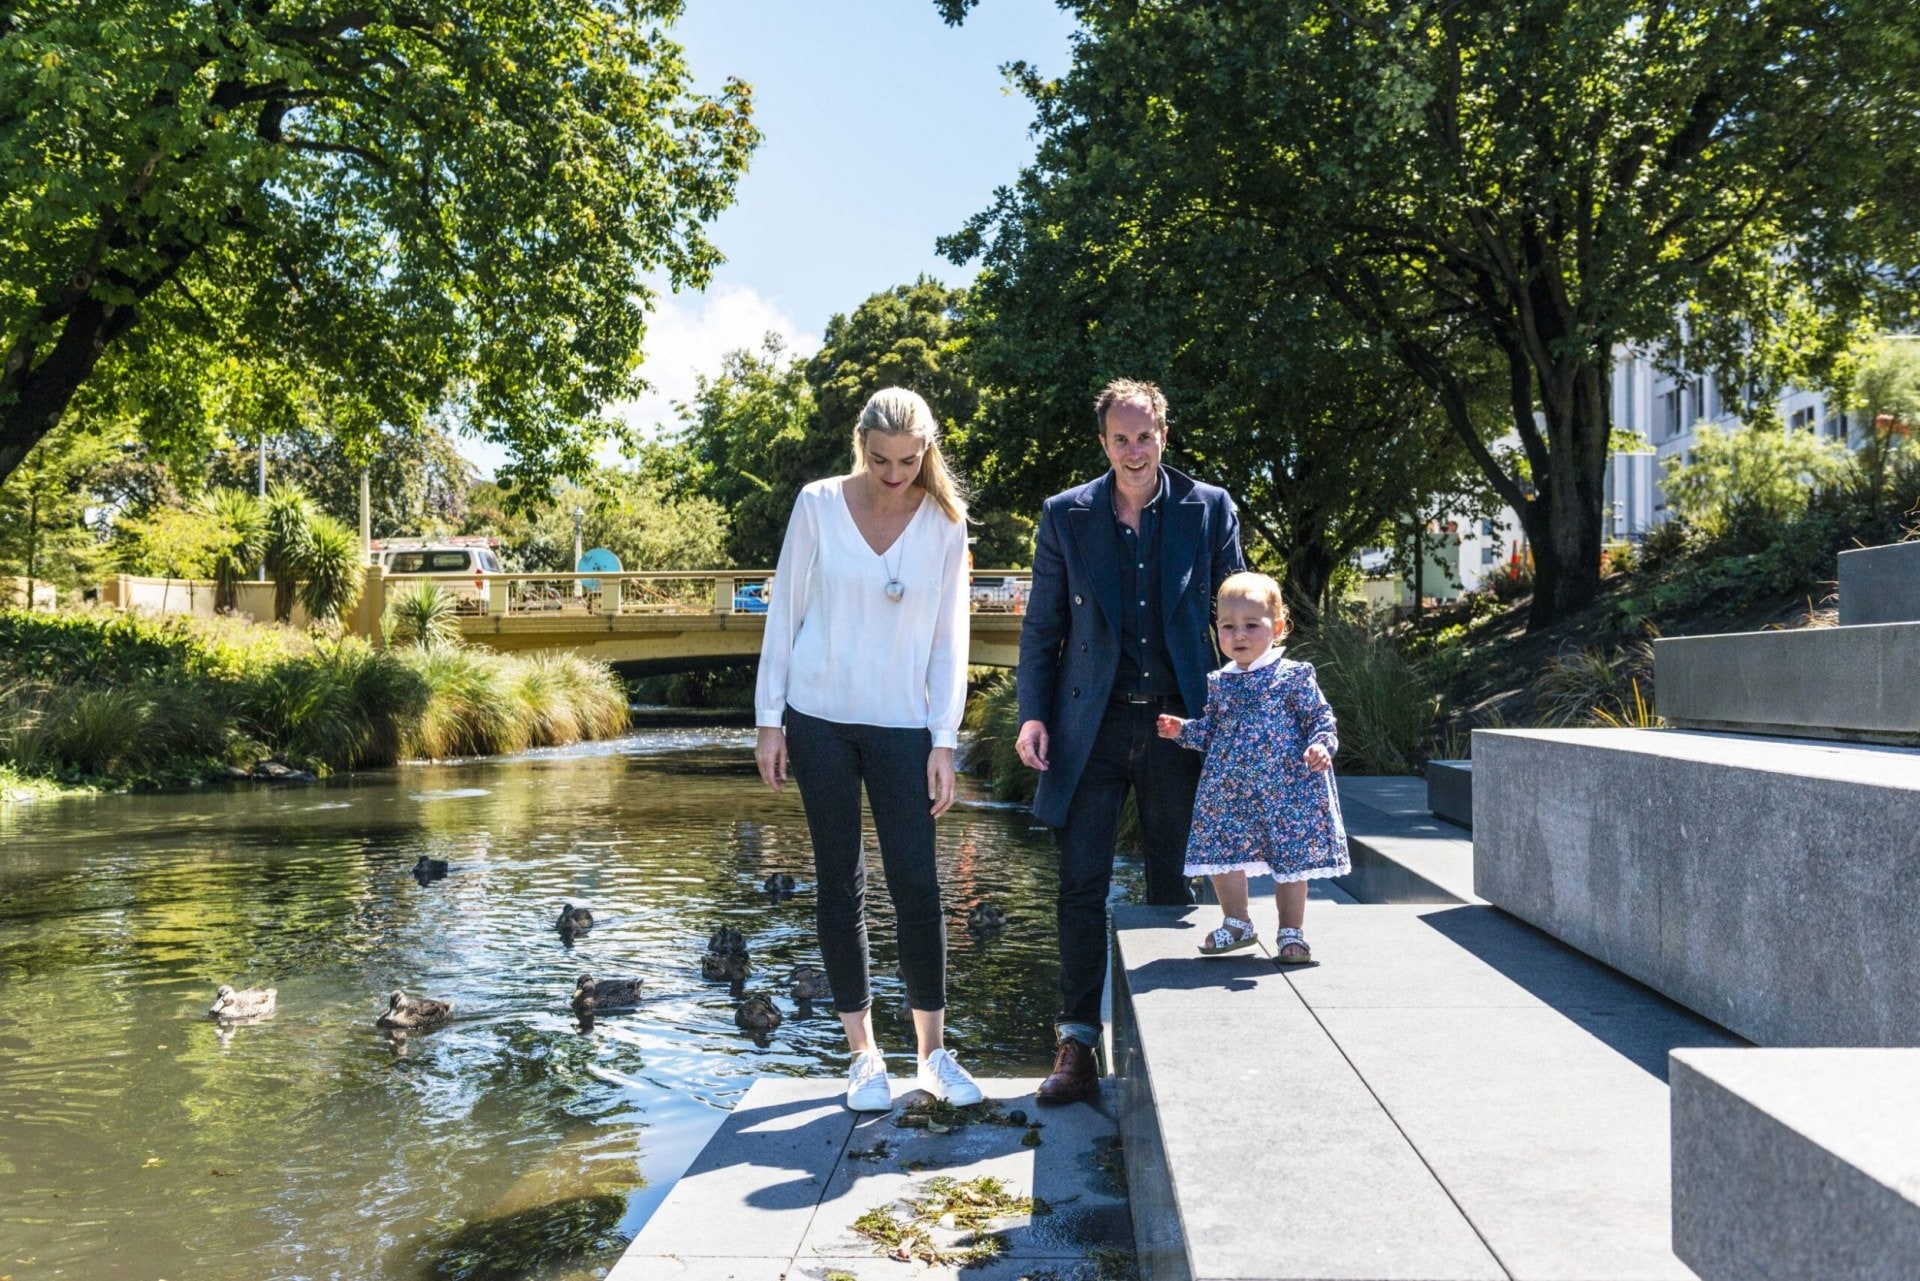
1267, 803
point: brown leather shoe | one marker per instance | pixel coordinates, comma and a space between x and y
1074, 1076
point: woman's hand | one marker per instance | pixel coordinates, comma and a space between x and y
1318, 757
770, 754
940, 779
1169, 726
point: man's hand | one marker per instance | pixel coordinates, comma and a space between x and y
1318, 757
770, 754
1169, 726
940, 779
1031, 744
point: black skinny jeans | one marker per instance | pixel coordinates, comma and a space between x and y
830, 760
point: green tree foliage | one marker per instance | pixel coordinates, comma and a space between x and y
242, 521
405, 203
1886, 403
1740, 486
43, 527
638, 517
1542, 180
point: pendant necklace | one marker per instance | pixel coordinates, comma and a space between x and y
895, 589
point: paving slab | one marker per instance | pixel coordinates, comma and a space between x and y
1794, 1163
1401, 852
776, 1192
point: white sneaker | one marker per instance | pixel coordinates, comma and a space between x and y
867, 1087
942, 1076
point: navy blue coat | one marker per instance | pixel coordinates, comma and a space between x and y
1070, 641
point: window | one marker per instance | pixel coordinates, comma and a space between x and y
1801, 419
427, 562
1672, 414
1835, 426
1697, 393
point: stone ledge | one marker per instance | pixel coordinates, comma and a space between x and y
1789, 1164
1880, 584
1850, 683
1450, 791
1766, 884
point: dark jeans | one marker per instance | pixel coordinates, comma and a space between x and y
830, 760
1127, 752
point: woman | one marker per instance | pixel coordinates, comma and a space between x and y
862, 680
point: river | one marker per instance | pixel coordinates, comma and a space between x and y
139, 1140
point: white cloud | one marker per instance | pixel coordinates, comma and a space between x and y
689, 334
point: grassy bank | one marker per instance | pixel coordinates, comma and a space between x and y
95, 699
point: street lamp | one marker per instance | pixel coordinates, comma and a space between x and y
579, 516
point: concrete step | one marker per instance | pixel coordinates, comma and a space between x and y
1768, 884
1445, 1093
1401, 853
1859, 684
1450, 791
1880, 584
1789, 1164
777, 1190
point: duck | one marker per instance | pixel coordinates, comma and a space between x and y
780, 883
757, 1014
985, 917
725, 967
574, 920
410, 1013
809, 984
429, 869
727, 939
252, 1003
602, 996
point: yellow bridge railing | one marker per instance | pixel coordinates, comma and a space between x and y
670, 592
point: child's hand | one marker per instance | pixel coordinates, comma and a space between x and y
1318, 757
1169, 726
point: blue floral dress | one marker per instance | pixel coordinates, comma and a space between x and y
1259, 808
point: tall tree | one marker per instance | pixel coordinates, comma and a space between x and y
1548, 178
409, 202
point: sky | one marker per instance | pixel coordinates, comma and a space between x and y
882, 130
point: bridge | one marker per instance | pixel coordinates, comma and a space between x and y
663, 621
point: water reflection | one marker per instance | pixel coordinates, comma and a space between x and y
139, 1139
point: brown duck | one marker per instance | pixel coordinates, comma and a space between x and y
603, 996
411, 1014
758, 1014
230, 1006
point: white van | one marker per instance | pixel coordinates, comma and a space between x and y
459, 566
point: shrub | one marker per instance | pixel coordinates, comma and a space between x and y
1740, 486
1577, 688
993, 718
242, 523
334, 570
424, 613
1385, 702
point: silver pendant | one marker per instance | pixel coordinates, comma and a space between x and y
895, 589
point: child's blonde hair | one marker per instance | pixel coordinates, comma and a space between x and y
1260, 590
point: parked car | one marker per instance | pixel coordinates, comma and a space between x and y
459, 566
752, 598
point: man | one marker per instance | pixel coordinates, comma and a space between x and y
1118, 630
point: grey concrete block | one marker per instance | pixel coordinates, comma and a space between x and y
1854, 683
1401, 853
1767, 884
1450, 791
1793, 1164
1253, 1150
1880, 584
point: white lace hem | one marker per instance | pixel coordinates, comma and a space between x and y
1259, 867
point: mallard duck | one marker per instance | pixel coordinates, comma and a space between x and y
780, 883
727, 939
758, 1014
810, 984
413, 1013
574, 920
985, 917
429, 869
603, 996
725, 967
253, 1003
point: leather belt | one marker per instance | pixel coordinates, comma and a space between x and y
1141, 700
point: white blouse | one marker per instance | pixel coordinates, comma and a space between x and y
837, 648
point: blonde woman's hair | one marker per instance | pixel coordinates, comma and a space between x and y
1256, 588
899, 412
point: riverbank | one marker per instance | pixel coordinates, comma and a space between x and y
98, 701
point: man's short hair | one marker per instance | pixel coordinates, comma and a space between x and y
1148, 396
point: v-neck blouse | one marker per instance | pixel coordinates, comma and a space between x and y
838, 649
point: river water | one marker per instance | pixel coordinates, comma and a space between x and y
140, 1140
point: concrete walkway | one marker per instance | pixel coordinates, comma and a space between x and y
1446, 1093
775, 1195
1401, 852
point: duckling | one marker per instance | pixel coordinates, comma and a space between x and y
809, 984
574, 920
725, 967
780, 883
603, 996
758, 1014
727, 939
413, 1014
230, 1006
429, 869
984, 918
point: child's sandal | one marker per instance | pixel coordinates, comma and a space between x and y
1232, 936
1291, 938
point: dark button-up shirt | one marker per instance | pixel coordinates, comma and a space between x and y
1146, 668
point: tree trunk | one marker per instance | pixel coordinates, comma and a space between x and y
1309, 570
1566, 536
42, 392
